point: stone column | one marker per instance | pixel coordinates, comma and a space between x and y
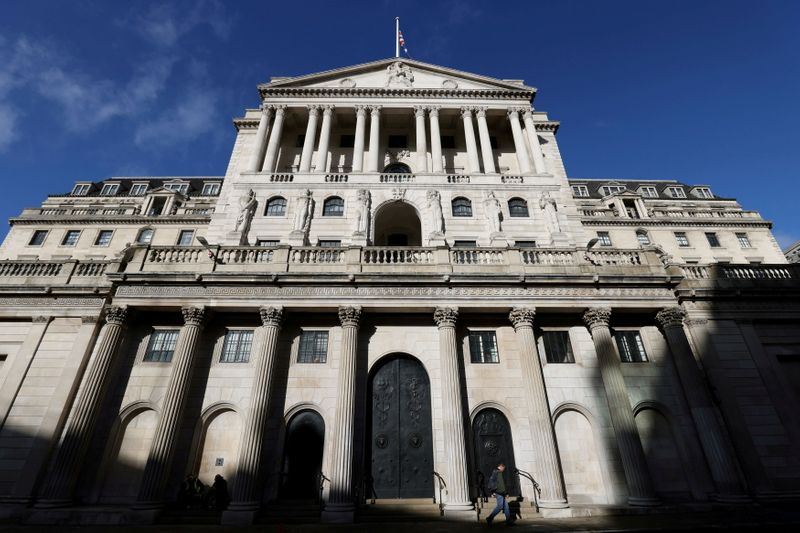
60, 483
422, 145
458, 500
374, 139
519, 142
159, 461
308, 142
533, 140
274, 139
717, 450
637, 474
260, 143
358, 143
436, 140
324, 139
247, 487
548, 470
340, 506
469, 136
486, 142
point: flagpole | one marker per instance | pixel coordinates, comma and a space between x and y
397, 37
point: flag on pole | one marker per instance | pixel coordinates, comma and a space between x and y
401, 43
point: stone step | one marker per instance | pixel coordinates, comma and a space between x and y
195, 517
399, 510
290, 512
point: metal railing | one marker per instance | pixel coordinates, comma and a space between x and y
322, 480
537, 491
441, 486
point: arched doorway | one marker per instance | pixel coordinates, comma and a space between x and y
397, 224
400, 436
397, 168
491, 435
302, 456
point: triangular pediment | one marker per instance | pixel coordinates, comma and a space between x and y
397, 73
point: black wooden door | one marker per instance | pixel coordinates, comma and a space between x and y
491, 435
305, 437
401, 441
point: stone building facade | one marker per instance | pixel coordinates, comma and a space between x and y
394, 286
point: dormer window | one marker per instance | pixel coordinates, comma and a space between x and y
703, 192
109, 189
138, 189
81, 189
211, 189
648, 192
182, 188
676, 192
606, 190
580, 191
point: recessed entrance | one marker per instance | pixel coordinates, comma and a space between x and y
401, 440
397, 224
302, 456
491, 435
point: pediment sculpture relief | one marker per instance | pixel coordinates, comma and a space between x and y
399, 75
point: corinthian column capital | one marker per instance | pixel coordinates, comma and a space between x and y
419, 110
313, 110
375, 110
522, 316
433, 110
350, 315
193, 316
271, 316
361, 110
116, 315
480, 112
670, 317
597, 317
327, 109
445, 317
466, 112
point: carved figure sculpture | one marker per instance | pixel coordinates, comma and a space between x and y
362, 212
247, 208
435, 206
492, 207
550, 208
400, 75
302, 217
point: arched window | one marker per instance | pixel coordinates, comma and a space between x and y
642, 237
333, 207
517, 207
145, 236
276, 207
462, 207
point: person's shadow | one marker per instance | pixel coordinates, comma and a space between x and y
515, 508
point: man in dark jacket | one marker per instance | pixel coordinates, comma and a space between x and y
497, 486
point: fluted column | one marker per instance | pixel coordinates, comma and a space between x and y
324, 139
71, 455
159, 461
308, 141
358, 142
436, 140
637, 474
274, 139
340, 505
486, 142
247, 488
374, 139
519, 142
260, 143
469, 136
533, 140
716, 447
422, 145
452, 412
548, 471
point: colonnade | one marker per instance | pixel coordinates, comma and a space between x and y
480, 157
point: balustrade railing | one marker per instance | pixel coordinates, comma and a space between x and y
175, 254
316, 256
245, 255
542, 256
30, 268
397, 178
398, 256
477, 256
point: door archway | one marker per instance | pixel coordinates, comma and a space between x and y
491, 435
302, 456
397, 224
400, 442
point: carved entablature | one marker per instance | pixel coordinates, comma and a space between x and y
597, 317
445, 317
522, 316
671, 317
271, 316
350, 315
194, 316
116, 315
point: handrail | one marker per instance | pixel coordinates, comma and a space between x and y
440, 485
537, 491
322, 480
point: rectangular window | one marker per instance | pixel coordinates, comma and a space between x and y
211, 189
713, 241
313, 347
630, 208
525, 244
744, 240
267, 242
397, 141
330, 243
161, 346
465, 244
109, 189
347, 141
237, 346
103, 237
138, 189
186, 237
649, 192
557, 347
631, 348
182, 188
448, 142
483, 347
145, 236
81, 189
38, 237
682, 239
611, 189
581, 191
71, 238
703, 192
603, 238
676, 192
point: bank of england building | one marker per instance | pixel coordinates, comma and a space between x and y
394, 287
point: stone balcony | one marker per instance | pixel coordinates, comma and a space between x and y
372, 178
87, 274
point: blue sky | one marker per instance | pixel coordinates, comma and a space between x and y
700, 91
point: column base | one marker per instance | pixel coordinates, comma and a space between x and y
338, 513
463, 511
53, 503
637, 501
553, 504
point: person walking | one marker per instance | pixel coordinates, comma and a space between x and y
497, 486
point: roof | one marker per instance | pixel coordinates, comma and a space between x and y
594, 185
195, 184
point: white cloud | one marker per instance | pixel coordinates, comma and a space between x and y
164, 24
192, 117
8, 125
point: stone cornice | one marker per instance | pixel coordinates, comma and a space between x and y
110, 219
381, 92
700, 222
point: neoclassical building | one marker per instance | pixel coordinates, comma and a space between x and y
394, 287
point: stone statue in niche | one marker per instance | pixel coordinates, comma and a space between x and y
399, 75
435, 206
492, 207
302, 217
247, 208
548, 205
362, 212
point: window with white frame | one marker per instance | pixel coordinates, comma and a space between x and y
605, 190
71, 237
581, 191
603, 238
703, 192
185, 237
643, 237
182, 188
483, 347
676, 192
138, 189
631, 347
313, 347
211, 189
145, 236
557, 347
161, 346
236, 348
103, 237
744, 240
38, 237
109, 189
681, 239
333, 207
81, 189
648, 191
